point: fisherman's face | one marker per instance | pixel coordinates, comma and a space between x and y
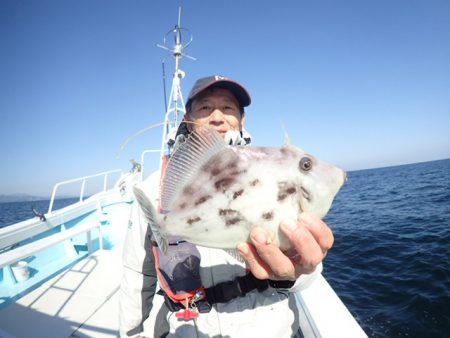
218, 108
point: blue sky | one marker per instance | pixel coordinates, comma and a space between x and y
360, 84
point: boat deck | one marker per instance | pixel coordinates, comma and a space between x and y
71, 304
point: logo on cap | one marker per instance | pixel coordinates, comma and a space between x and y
218, 77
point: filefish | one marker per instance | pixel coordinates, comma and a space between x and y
213, 194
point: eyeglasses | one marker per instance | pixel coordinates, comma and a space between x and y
202, 110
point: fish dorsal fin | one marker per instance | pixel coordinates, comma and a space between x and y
287, 139
186, 161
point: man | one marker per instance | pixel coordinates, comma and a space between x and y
266, 308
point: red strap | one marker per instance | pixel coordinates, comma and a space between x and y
186, 314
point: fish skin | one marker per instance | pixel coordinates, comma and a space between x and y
213, 194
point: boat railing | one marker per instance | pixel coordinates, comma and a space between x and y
83, 180
11, 256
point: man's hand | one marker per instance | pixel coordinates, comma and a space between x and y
311, 238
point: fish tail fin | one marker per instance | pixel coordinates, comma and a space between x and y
152, 218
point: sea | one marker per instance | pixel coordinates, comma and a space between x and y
13, 212
390, 263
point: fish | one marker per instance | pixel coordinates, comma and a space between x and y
213, 194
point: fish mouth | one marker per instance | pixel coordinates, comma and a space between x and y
305, 198
305, 194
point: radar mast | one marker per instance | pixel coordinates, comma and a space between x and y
175, 103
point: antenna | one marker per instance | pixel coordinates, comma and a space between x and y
175, 104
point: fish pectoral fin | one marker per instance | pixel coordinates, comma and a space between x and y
152, 218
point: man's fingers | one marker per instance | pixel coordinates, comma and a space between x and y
258, 268
264, 259
309, 253
310, 238
321, 232
280, 265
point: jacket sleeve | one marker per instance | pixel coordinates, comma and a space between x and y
304, 281
139, 280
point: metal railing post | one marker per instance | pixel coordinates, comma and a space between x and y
82, 189
89, 241
52, 199
83, 179
105, 181
100, 236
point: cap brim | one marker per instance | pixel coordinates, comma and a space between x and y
238, 90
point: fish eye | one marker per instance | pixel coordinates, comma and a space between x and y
305, 164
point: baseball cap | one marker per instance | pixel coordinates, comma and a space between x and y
237, 89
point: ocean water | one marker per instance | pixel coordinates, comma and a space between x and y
390, 263
13, 212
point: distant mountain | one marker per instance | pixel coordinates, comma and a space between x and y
20, 198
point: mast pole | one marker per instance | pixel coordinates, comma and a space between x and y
175, 104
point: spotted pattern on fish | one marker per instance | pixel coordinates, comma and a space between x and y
228, 212
233, 221
214, 194
213, 168
224, 183
220, 166
188, 190
238, 172
283, 150
215, 171
285, 189
268, 215
238, 193
202, 199
230, 216
193, 220
233, 164
287, 151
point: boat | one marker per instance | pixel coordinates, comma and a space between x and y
60, 271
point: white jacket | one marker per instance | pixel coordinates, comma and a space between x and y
271, 313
